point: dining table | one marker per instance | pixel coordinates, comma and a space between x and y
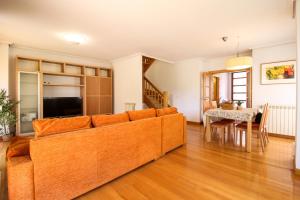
243, 115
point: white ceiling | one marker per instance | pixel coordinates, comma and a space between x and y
169, 29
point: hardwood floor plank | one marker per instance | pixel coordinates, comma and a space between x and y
106, 192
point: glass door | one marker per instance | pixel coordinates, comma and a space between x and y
29, 101
207, 90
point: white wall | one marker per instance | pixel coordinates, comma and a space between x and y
182, 81
297, 159
159, 74
277, 94
128, 82
50, 55
4, 78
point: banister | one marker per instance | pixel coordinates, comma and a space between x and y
165, 102
162, 98
153, 86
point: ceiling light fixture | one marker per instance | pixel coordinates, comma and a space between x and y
74, 38
239, 62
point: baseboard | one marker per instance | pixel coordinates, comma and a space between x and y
193, 123
281, 136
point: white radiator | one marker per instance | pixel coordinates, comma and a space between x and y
281, 120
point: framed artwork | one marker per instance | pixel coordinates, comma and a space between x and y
278, 72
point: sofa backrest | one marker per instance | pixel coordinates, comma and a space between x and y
104, 120
50, 126
166, 111
45, 127
141, 114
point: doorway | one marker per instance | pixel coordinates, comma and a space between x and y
227, 86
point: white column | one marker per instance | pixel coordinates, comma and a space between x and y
298, 88
4, 66
128, 72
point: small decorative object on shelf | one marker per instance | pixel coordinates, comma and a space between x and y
239, 105
7, 115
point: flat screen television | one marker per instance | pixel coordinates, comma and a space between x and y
62, 106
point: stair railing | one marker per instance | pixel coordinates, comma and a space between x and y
150, 90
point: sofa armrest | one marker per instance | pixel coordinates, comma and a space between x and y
20, 178
172, 132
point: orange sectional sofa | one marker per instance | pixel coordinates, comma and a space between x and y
71, 156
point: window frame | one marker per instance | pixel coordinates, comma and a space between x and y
245, 85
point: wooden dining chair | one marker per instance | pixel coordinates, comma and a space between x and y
224, 125
266, 124
214, 104
259, 129
206, 105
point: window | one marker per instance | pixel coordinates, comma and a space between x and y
239, 87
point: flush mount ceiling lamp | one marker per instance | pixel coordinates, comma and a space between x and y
239, 62
74, 38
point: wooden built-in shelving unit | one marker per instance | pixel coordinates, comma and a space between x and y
63, 85
93, 82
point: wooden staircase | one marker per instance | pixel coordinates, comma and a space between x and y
152, 96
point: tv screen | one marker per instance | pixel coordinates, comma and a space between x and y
62, 106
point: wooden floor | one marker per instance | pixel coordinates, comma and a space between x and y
209, 171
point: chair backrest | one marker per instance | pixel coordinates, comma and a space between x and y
214, 104
206, 105
264, 117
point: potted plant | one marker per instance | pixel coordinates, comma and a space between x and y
7, 115
239, 105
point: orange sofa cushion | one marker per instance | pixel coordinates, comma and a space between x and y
141, 114
104, 120
19, 146
44, 127
166, 111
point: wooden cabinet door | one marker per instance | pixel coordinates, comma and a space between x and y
92, 95
106, 104
92, 86
93, 105
98, 95
106, 95
106, 86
